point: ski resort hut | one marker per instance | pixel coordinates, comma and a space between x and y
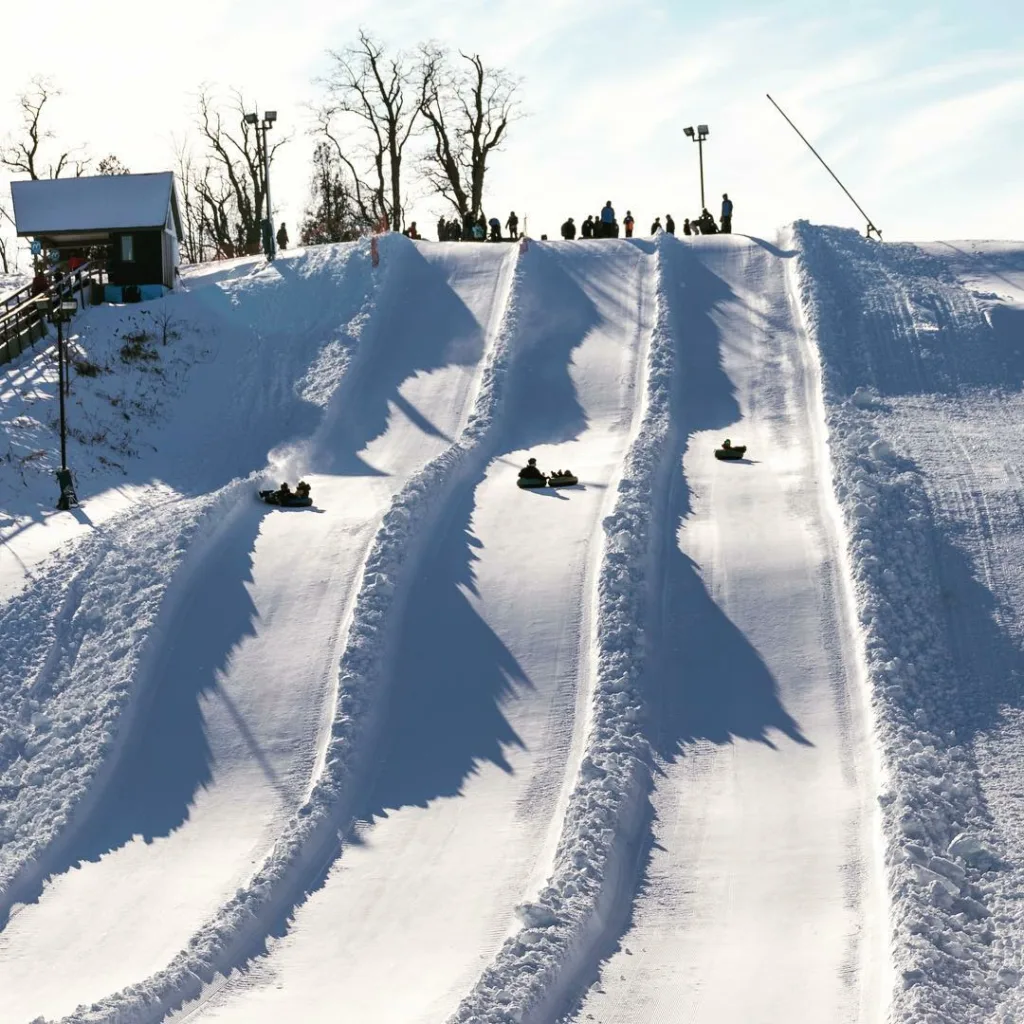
133, 218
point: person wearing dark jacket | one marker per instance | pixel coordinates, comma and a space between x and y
707, 223
513, 225
569, 230
282, 237
656, 226
627, 223
687, 230
530, 471
670, 224
587, 227
442, 230
495, 226
726, 214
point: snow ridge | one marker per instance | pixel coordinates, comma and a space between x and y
61, 722
76, 644
310, 839
534, 971
947, 885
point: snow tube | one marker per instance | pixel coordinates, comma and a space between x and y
565, 480
528, 483
737, 451
292, 501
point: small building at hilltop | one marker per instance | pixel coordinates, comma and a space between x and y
130, 220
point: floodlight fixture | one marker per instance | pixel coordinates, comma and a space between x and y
250, 118
270, 115
702, 129
688, 132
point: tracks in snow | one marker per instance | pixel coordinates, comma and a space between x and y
268, 727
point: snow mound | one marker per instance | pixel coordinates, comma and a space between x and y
888, 322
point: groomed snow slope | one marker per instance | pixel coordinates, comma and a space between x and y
452, 751
761, 895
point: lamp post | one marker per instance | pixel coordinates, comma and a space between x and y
699, 136
262, 126
60, 311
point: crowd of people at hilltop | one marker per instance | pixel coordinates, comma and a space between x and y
602, 225
606, 225
479, 229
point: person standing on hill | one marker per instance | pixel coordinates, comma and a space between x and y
687, 230
569, 230
656, 226
607, 220
726, 214
282, 237
587, 227
628, 223
513, 226
670, 224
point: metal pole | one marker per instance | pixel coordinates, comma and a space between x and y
700, 151
266, 183
61, 375
871, 227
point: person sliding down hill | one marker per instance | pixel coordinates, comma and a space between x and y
302, 489
530, 471
283, 493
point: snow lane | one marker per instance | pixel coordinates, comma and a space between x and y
241, 694
477, 747
761, 896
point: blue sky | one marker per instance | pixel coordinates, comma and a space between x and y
919, 107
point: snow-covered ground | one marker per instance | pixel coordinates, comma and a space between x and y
695, 740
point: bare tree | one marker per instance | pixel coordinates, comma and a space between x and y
469, 109
231, 185
373, 106
196, 243
332, 214
21, 152
111, 164
8, 248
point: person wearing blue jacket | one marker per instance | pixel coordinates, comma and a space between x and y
726, 214
608, 220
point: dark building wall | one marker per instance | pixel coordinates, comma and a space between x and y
169, 262
148, 265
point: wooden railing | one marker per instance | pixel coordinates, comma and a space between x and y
22, 324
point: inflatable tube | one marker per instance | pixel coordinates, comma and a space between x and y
737, 451
293, 501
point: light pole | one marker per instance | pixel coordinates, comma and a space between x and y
59, 312
262, 126
701, 134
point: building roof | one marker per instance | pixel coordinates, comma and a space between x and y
105, 202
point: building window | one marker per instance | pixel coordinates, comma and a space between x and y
127, 249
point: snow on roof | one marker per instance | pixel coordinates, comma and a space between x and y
101, 203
